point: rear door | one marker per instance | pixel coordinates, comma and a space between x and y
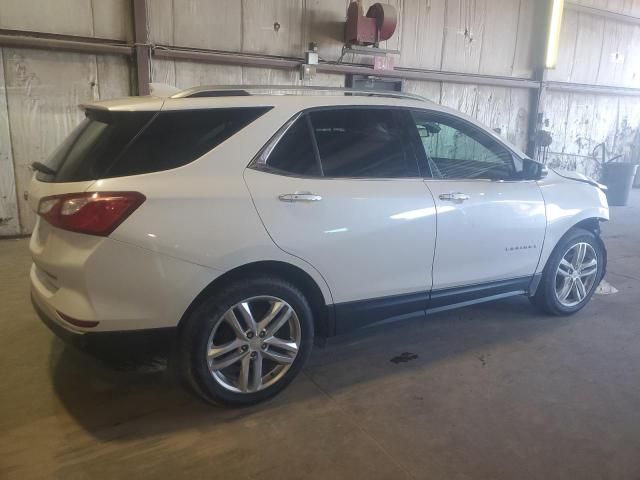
491, 220
342, 190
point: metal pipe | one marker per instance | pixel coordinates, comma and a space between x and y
19, 41
204, 56
230, 58
591, 89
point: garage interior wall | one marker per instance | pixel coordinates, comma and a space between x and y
40, 89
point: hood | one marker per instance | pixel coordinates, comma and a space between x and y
579, 177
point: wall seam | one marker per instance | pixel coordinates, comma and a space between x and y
515, 48
604, 26
575, 48
11, 140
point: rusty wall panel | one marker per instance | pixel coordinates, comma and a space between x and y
429, 90
523, 55
273, 27
463, 32
112, 19
627, 140
163, 71
518, 130
500, 37
70, 17
42, 100
44, 89
579, 125
205, 24
112, 76
160, 21
192, 74
598, 50
586, 62
463, 98
422, 36
505, 111
9, 221
580, 122
631, 70
617, 49
100, 18
555, 107
494, 108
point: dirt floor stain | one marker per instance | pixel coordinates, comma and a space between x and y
404, 357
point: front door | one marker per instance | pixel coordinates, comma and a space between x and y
342, 191
491, 221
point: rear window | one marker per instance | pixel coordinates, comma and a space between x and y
115, 144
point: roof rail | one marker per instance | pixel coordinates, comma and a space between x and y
244, 90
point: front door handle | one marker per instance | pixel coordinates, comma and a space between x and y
454, 197
299, 197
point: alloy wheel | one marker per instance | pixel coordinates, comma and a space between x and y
253, 344
576, 274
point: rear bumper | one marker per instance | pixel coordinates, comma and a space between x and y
158, 340
108, 285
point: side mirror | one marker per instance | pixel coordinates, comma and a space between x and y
543, 171
533, 170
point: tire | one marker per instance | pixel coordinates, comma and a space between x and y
211, 329
550, 293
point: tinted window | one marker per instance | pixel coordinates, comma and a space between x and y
362, 142
456, 149
294, 152
113, 144
91, 148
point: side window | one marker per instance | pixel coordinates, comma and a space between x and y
176, 138
455, 149
294, 152
362, 142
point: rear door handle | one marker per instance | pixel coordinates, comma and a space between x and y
454, 197
299, 197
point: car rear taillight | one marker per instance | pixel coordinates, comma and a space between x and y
97, 213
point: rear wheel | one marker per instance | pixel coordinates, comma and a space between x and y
247, 342
572, 274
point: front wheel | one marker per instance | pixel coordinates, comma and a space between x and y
247, 342
572, 274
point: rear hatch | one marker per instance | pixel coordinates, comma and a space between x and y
87, 154
120, 138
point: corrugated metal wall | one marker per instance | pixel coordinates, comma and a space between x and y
39, 90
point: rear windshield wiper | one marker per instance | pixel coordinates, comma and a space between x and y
41, 167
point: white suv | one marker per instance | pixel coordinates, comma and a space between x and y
249, 221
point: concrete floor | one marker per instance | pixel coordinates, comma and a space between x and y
496, 391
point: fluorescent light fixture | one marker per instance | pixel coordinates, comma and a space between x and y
554, 34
